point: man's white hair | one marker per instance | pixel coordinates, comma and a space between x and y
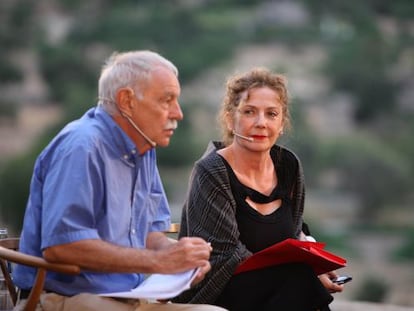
128, 69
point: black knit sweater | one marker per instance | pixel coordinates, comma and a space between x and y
210, 213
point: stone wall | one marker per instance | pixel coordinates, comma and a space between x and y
339, 305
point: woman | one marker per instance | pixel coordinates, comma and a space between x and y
246, 193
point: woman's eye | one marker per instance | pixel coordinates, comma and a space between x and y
273, 114
248, 112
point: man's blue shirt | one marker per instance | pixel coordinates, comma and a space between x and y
91, 183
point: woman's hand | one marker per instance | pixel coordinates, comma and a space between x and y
326, 280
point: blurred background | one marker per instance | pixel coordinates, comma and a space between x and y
350, 67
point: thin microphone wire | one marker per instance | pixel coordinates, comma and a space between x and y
150, 141
242, 136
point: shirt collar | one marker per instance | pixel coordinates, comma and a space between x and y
124, 145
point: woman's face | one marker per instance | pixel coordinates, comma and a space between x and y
260, 118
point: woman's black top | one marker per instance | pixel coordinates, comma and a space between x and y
259, 231
294, 286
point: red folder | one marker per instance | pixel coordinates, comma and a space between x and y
291, 251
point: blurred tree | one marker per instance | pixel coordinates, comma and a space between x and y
372, 289
14, 190
183, 148
63, 66
8, 72
198, 35
359, 66
406, 251
371, 171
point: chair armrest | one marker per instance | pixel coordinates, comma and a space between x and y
37, 262
172, 232
42, 267
174, 228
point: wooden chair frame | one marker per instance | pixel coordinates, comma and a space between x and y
9, 253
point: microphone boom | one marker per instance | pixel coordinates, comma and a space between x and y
149, 140
251, 139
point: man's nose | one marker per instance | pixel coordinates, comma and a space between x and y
176, 112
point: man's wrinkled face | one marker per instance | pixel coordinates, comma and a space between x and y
158, 111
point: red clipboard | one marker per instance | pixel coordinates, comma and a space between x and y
291, 251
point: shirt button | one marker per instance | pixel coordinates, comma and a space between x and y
133, 231
126, 157
133, 151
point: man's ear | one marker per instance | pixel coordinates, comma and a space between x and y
124, 100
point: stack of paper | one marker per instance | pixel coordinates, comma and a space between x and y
159, 286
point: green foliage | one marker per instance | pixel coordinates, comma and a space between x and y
205, 34
398, 135
63, 66
183, 146
77, 99
372, 289
9, 72
362, 9
192, 44
401, 8
14, 190
336, 243
370, 170
359, 66
17, 24
8, 109
15, 176
406, 251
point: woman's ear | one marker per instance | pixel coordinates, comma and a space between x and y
124, 101
229, 122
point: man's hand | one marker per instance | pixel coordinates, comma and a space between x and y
201, 274
160, 256
188, 253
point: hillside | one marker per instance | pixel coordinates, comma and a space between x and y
350, 68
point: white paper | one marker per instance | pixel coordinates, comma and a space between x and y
159, 286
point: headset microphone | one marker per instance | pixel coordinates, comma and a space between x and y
251, 139
150, 141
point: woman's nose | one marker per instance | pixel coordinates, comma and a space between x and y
261, 119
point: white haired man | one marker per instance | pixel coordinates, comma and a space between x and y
96, 197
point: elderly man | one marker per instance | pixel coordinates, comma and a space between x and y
96, 198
